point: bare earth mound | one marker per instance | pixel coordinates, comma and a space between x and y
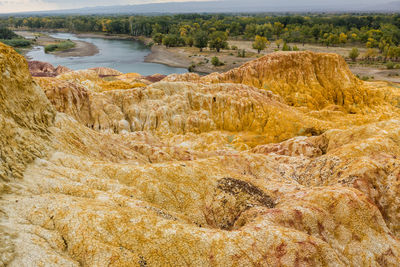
287, 161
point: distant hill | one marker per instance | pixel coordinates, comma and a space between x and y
391, 7
229, 6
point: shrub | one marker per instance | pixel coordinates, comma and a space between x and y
50, 48
241, 53
390, 65
191, 68
150, 44
285, 47
354, 53
216, 62
234, 47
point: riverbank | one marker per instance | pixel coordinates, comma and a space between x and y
182, 57
172, 57
106, 36
81, 48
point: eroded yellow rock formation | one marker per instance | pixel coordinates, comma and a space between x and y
313, 80
197, 171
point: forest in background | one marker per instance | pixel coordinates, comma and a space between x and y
379, 33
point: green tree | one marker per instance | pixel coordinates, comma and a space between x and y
260, 43
171, 40
278, 29
158, 38
7, 34
278, 42
354, 53
250, 31
218, 40
234, 29
189, 41
201, 40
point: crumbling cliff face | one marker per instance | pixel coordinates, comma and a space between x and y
25, 115
198, 172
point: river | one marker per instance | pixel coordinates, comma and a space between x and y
123, 55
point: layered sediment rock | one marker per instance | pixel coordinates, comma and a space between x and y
199, 172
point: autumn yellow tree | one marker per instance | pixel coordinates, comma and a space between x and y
370, 53
342, 38
260, 43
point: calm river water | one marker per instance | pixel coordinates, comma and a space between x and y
123, 55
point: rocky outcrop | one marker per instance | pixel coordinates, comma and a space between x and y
313, 80
93, 82
68, 97
61, 70
154, 78
105, 72
44, 69
194, 173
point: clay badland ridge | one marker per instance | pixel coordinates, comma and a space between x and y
288, 160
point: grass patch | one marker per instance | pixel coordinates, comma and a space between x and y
61, 46
16, 42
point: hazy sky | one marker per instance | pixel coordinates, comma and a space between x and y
7, 6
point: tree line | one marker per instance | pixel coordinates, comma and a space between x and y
379, 31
